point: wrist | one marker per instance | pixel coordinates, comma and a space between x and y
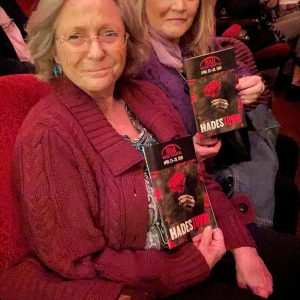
243, 252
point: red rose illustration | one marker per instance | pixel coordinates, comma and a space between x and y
212, 89
177, 182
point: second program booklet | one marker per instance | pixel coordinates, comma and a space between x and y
216, 103
179, 190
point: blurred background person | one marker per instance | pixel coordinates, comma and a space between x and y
14, 54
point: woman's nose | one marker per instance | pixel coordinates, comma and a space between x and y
96, 49
179, 5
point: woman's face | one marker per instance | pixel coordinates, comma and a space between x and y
171, 18
93, 65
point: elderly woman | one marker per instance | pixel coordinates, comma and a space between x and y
80, 177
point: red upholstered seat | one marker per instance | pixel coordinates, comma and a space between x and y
18, 93
267, 57
279, 50
273, 55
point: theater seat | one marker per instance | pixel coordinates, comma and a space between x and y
18, 93
272, 56
269, 59
266, 58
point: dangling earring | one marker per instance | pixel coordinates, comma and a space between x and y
57, 71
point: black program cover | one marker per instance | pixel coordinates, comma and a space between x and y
179, 189
216, 103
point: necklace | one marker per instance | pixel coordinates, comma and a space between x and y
182, 75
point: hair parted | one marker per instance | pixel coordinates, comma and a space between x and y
199, 37
41, 36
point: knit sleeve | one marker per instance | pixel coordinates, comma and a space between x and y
246, 67
229, 219
57, 194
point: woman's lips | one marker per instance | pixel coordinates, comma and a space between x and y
98, 71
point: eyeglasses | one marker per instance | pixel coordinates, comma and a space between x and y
109, 38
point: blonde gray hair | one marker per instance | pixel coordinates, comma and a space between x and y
41, 36
199, 36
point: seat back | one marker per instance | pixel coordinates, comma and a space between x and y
267, 57
18, 93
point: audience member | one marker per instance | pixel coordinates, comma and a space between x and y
81, 183
14, 54
171, 44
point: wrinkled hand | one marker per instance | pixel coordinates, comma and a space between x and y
219, 104
206, 148
211, 245
187, 202
251, 272
250, 88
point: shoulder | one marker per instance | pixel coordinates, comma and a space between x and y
163, 76
45, 110
152, 69
244, 57
226, 42
152, 61
48, 116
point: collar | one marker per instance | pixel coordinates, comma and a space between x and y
104, 138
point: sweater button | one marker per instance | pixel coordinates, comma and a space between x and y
243, 207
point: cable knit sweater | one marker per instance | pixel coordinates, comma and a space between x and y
81, 189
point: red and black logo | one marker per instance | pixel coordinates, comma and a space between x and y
210, 62
171, 150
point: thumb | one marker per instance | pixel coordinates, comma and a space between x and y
206, 236
217, 234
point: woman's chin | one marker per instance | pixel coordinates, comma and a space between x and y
97, 83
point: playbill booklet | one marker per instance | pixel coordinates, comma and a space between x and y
216, 103
179, 189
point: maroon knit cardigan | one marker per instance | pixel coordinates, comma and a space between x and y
81, 189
